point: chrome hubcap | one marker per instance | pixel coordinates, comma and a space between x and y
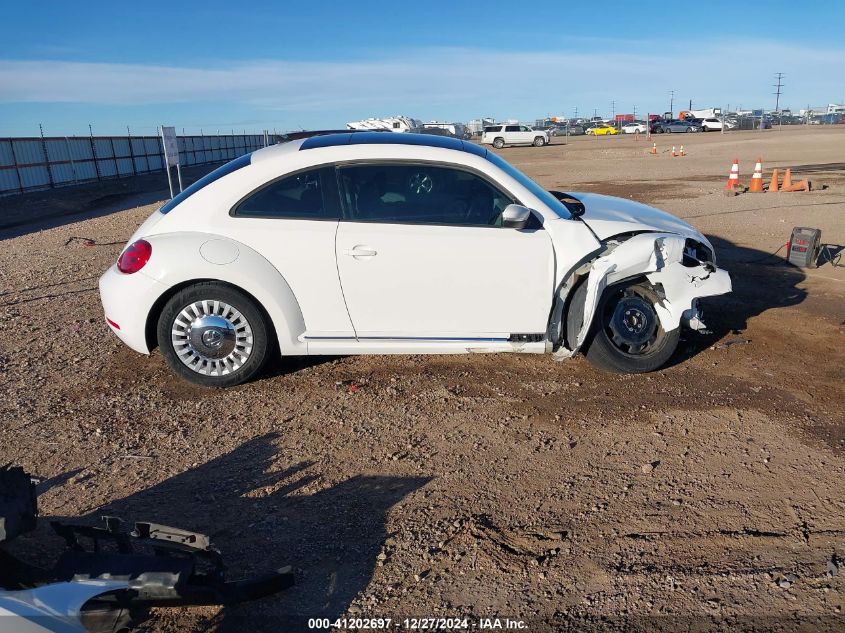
212, 338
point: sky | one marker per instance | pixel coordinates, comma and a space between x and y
313, 65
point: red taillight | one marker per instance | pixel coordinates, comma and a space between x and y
135, 257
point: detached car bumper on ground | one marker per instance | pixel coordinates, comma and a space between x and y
365, 243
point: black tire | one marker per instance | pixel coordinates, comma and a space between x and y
539, 141
252, 358
606, 351
498, 142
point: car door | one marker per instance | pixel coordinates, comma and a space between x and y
292, 221
422, 255
512, 134
526, 134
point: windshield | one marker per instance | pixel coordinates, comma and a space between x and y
218, 173
548, 199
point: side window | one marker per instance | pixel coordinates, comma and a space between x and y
524, 128
420, 194
296, 196
512, 128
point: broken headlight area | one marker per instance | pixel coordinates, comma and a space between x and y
157, 565
698, 254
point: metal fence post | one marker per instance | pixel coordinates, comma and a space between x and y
15, 162
70, 157
114, 158
94, 151
46, 157
131, 152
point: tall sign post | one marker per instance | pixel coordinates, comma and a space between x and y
171, 155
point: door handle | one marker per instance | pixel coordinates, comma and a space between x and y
360, 251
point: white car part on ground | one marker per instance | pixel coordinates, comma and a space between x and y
659, 257
55, 608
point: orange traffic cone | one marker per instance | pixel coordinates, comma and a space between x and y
683, 153
673, 152
773, 186
787, 180
733, 178
801, 185
757, 178
654, 149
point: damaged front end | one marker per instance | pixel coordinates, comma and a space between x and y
107, 578
680, 269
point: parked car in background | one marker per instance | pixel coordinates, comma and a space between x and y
363, 243
435, 131
711, 124
637, 127
601, 129
561, 129
680, 126
500, 135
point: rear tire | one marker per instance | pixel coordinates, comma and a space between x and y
626, 335
213, 335
498, 143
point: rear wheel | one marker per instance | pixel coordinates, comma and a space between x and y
213, 335
626, 335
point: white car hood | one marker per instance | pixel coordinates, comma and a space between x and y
608, 216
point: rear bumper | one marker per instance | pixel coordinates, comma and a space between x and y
127, 301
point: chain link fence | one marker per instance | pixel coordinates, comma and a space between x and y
34, 163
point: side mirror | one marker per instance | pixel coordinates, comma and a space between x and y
515, 216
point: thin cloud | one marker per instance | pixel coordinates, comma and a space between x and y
461, 80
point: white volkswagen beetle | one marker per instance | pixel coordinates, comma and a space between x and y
368, 243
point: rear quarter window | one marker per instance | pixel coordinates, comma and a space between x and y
206, 180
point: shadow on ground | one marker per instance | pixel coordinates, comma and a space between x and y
40, 210
256, 509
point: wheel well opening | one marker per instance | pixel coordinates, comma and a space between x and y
158, 306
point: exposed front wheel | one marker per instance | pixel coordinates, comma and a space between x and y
627, 336
539, 141
498, 143
213, 335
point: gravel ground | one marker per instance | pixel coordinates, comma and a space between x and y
706, 495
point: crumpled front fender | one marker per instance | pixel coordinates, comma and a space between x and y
658, 257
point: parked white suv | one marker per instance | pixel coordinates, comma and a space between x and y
500, 135
711, 124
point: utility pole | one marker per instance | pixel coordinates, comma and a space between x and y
672, 103
613, 111
778, 86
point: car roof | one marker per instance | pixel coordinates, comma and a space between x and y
392, 138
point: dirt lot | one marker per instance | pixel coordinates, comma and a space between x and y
707, 495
